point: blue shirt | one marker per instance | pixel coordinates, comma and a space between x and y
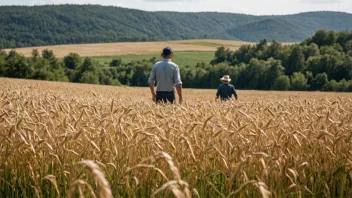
167, 75
225, 91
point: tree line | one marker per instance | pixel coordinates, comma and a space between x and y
322, 62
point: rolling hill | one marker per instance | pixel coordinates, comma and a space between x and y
270, 29
23, 26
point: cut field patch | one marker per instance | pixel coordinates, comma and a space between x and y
134, 48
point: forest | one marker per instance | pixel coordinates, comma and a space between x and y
23, 26
322, 62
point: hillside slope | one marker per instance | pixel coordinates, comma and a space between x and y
22, 26
271, 29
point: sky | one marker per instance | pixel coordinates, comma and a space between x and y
254, 7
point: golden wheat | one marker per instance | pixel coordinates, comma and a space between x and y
268, 144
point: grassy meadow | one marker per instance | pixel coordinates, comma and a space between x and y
181, 58
77, 140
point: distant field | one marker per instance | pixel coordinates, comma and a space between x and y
181, 58
134, 48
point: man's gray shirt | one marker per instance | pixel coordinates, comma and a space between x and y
167, 75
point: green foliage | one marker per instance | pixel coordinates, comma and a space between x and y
141, 74
22, 26
48, 67
273, 72
323, 38
261, 66
72, 61
16, 66
298, 81
342, 85
296, 60
116, 62
282, 83
48, 54
35, 54
311, 50
256, 74
3, 55
307, 66
331, 86
221, 55
319, 81
89, 77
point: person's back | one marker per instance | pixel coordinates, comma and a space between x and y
167, 75
225, 90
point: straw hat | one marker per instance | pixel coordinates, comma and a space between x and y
226, 78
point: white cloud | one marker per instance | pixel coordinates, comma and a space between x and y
323, 1
167, 1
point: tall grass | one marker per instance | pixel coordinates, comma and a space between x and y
70, 140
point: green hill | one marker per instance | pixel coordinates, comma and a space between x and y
271, 29
22, 26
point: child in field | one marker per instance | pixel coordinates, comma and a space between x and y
225, 90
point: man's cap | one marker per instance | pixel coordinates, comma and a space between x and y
167, 51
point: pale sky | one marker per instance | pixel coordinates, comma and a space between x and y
255, 7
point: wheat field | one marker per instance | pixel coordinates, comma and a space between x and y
134, 48
76, 140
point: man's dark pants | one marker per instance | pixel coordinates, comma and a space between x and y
165, 96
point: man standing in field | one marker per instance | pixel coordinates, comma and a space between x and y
225, 90
167, 75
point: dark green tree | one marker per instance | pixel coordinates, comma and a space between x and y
48, 54
332, 85
273, 50
220, 55
141, 74
72, 61
319, 81
348, 45
255, 74
342, 85
323, 38
342, 39
298, 81
88, 69
296, 61
35, 55
17, 66
273, 71
282, 83
311, 50
116, 62
89, 77
244, 54
3, 55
